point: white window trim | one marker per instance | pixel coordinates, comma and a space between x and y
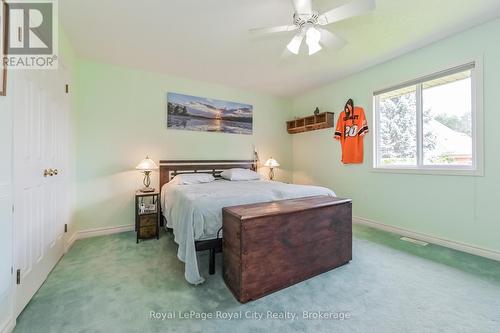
477, 127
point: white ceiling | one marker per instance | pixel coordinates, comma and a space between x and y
208, 39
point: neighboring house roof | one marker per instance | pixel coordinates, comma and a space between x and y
449, 141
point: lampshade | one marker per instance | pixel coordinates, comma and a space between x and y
272, 163
147, 164
313, 36
294, 45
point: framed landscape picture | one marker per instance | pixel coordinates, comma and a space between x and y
3, 47
192, 113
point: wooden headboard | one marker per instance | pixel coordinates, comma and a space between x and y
169, 169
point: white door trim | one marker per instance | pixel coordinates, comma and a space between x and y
9, 326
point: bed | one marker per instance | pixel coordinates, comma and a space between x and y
194, 212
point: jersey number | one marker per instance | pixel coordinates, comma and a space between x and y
351, 131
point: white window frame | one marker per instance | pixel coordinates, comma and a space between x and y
477, 167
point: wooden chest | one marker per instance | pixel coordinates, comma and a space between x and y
270, 246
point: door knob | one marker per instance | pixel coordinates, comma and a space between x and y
48, 172
55, 172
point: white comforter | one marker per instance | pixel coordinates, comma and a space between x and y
194, 212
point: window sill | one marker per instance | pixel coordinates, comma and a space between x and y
431, 171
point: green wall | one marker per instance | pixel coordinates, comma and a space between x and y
457, 208
121, 119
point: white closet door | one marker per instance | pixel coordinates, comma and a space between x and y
40, 144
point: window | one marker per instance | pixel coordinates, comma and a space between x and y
428, 124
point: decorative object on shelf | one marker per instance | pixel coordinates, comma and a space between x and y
210, 115
351, 128
271, 164
316, 112
146, 166
3, 47
149, 208
147, 215
311, 123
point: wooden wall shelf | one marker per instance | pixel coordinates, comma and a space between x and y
310, 123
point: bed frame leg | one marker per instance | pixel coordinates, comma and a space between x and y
211, 267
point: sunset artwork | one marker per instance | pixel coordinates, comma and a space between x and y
192, 113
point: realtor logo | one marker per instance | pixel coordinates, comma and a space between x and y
32, 34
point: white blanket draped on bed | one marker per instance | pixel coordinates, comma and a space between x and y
194, 212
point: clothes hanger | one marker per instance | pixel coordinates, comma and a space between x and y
350, 103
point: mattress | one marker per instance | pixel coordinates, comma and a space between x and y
194, 212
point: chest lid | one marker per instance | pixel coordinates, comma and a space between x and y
264, 209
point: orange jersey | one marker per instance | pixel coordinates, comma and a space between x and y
350, 131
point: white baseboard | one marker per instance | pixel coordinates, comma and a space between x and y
97, 232
459, 246
104, 231
70, 242
463, 247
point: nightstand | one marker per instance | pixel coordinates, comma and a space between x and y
147, 215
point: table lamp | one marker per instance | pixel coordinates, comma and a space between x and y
271, 163
146, 166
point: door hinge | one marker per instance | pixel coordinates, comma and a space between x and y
18, 276
65, 228
67, 88
12, 208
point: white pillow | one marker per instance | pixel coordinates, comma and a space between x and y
240, 174
192, 178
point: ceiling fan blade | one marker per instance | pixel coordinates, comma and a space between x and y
271, 30
302, 6
331, 40
353, 8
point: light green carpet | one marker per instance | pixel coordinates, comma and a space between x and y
110, 284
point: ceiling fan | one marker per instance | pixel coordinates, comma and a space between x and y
309, 24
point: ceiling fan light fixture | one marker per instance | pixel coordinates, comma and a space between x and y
314, 48
294, 45
309, 22
313, 36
